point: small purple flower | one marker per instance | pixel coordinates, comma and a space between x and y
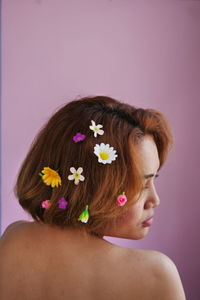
79, 137
62, 203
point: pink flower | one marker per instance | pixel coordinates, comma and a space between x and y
46, 203
62, 203
121, 200
79, 137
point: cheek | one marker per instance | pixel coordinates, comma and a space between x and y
130, 215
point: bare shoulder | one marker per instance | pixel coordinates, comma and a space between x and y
10, 232
14, 225
149, 274
164, 279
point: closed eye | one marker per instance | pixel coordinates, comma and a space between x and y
151, 175
147, 186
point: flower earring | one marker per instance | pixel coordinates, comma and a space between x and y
121, 199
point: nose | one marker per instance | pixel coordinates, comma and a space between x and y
153, 199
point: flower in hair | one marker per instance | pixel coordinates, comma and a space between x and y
84, 216
76, 175
105, 153
46, 204
79, 137
121, 199
62, 203
50, 177
96, 128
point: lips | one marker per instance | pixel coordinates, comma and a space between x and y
148, 219
148, 222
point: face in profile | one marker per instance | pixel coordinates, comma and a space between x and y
131, 224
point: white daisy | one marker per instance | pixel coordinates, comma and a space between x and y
105, 153
76, 175
96, 128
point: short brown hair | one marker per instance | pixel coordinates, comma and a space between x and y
124, 125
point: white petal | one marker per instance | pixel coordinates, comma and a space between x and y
84, 220
93, 123
81, 178
111, 153
101, 132
96, 146
73, 170
113, 158
71, 177
97, 154
80, 170
104, 161
101, 160
96, 150
106, 147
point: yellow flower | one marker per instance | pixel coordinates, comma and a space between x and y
51, 177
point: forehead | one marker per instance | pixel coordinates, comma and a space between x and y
148, 155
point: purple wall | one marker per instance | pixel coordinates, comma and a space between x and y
143, 52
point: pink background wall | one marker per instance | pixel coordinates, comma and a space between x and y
142, 52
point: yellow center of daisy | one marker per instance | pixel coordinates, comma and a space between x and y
104, 155
76, 175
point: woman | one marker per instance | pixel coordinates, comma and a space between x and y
89, 173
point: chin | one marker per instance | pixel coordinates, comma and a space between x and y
135, 236
139, 232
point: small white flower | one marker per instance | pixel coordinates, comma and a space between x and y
76, 175
105, 153
96, 128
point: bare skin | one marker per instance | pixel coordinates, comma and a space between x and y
72, 268
42, 262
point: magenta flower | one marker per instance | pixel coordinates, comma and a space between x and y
79, 137
62, 203
121, 200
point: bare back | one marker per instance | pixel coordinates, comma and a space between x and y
39, 262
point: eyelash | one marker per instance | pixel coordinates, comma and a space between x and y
146, 187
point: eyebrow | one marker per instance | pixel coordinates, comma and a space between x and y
150, 175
